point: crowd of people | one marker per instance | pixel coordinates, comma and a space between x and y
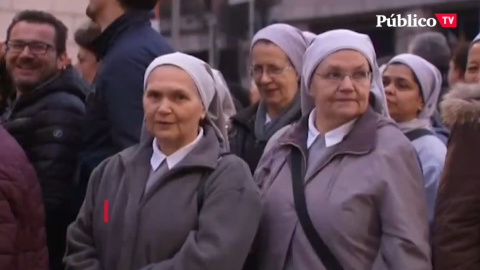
143, 158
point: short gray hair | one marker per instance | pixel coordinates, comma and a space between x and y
433, 47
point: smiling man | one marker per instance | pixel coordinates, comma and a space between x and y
45, 114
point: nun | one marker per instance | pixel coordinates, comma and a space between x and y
412, 86
342, 188
276, 63
177, 200
456, 234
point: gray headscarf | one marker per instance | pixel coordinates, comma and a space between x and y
332, 41
290, 39
224, 94
309, 36
202, 75
293, 43
430, 81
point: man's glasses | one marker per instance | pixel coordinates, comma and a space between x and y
35, 48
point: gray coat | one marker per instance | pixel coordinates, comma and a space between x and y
158, 231
366, 201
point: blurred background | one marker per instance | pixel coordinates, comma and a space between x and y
218, 31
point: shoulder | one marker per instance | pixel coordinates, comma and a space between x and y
389, 138
461, 105
394, 152
233, 173
431, 148
139, 46
63, 100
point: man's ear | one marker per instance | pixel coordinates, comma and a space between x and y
63, 61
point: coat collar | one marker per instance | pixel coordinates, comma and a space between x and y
204, 154
136, 163
361, 139
111, 34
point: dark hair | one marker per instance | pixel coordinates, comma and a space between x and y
86, 35
41, 17
460, 57
139, 4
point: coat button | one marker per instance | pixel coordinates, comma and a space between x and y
58, 133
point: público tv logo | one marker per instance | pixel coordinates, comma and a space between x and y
397, 20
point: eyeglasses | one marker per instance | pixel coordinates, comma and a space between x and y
35, 47
257, 71
337, 77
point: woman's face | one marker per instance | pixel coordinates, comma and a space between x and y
340, 86
472, 75
172, 105
274, 75
403, 93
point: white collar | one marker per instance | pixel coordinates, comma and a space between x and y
267, 119
158, 157
333, 137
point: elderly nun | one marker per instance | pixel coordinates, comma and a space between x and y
342, 188
276, 64
456, 234
224, 95
175, 200
412, 86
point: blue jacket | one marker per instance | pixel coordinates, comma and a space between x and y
114, 109
114, 114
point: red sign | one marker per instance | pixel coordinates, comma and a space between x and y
105, 210
447, 19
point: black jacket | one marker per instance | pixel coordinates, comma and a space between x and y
243, 141
114, 110
47, 123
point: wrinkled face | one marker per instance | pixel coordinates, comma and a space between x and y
454, 74
31, 55
172, 105
403, 93
340, 86
274, 75
87, 64
472, 75
95, 7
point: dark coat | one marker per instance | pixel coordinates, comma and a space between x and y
243, 141
48, 123
22, 232
456, 233
114, 110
